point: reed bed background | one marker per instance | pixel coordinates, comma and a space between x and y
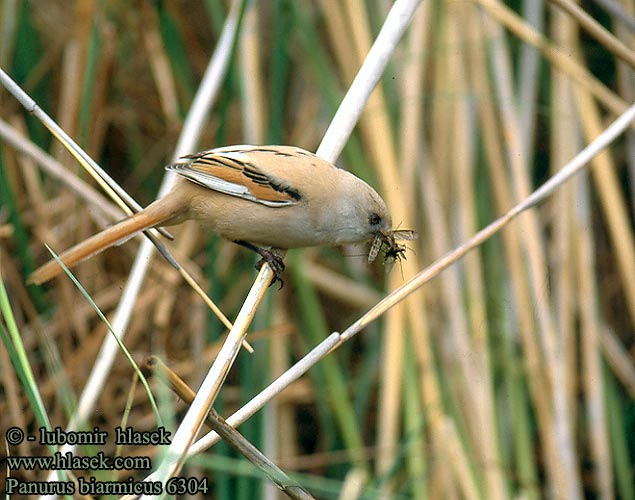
509, 376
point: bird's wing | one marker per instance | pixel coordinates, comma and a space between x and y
230, 171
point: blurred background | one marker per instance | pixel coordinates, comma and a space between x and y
509, 376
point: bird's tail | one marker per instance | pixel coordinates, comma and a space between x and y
156, 214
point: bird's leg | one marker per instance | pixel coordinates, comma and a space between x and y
270, 257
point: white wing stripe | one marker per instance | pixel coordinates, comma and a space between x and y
222, 186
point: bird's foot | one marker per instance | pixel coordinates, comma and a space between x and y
275, 263
267, 256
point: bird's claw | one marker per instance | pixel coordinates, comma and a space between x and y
275, 263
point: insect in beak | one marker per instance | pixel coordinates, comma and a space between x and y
375, 246
394, 251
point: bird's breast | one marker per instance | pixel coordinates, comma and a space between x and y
235, 218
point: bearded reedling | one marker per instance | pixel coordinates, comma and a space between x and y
257, 196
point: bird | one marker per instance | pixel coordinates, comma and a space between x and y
273, 196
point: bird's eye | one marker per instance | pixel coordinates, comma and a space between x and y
374, 219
